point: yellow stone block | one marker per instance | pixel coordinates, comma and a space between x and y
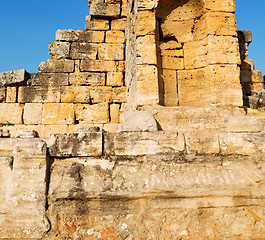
146, 50
96, 113
114, 113
111, 51
32, 113
145, 23
115, 36
75, 94
115, 79
58, 113
118, 24
11, 113
97, 66
11, 94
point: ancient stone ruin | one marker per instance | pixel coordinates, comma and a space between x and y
148, 124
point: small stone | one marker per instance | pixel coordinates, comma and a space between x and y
4, 133
26, 134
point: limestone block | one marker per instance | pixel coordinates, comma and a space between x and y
170, 45
146, 50
257, 76
101, 94
38, 94
223, 49
195, 54
26, 218
91, 177
236, 143
49, 79
11, 94
75, 94
87, 78
26, 134
57, 66
105, 10
111, 127
124, 8
145, 23
7, 146
69, 35
215, 23
96, 24
97, 66
241, 124
147, 85
81, 50
59, 50
2, 94
245, 36
13, 78
76, 144
226, 84
5, 184
115, 36
257, 86
96, 113
147, 4
32, 113
11, 113
119, 95
111, 51
191, 90
138, 121
120, 66
170, 87
118, 24
114, 113
202, 143
48, 130
184, 29
58, 113
115, 79
147, 143
220, 5
172, 62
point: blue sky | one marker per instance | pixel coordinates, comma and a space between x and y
27, 27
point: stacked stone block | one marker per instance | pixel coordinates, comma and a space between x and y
82, 84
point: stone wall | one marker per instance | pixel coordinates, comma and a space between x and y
82, 84
133, 185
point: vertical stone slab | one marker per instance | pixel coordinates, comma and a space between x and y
26, 217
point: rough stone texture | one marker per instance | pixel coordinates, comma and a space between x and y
77, 144
14, 115
49, 79
57, 66
76, 94
58, 113
139, 121
32, 113
59, 50
11, 94
107, 10
15, 77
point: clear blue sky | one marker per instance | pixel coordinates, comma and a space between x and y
27, 26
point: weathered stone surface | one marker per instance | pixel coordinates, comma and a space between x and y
146, 50
82, 50
26, 215
145, 23
49, 79
11, 94
115, 79
115, 36
76, 144
106, 10
96, 113
96, 24
111, 51
75, 94
220, 6
26, 134
145, 143
114, 113
4, 133
2, 94
14, 115
57, 66
11, 78
139, 121
7, 145
118, 24
97, 66
38, 94
32, 113
87, 78
58, 113
59, 50
69, 35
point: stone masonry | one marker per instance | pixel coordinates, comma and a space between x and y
148, 124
